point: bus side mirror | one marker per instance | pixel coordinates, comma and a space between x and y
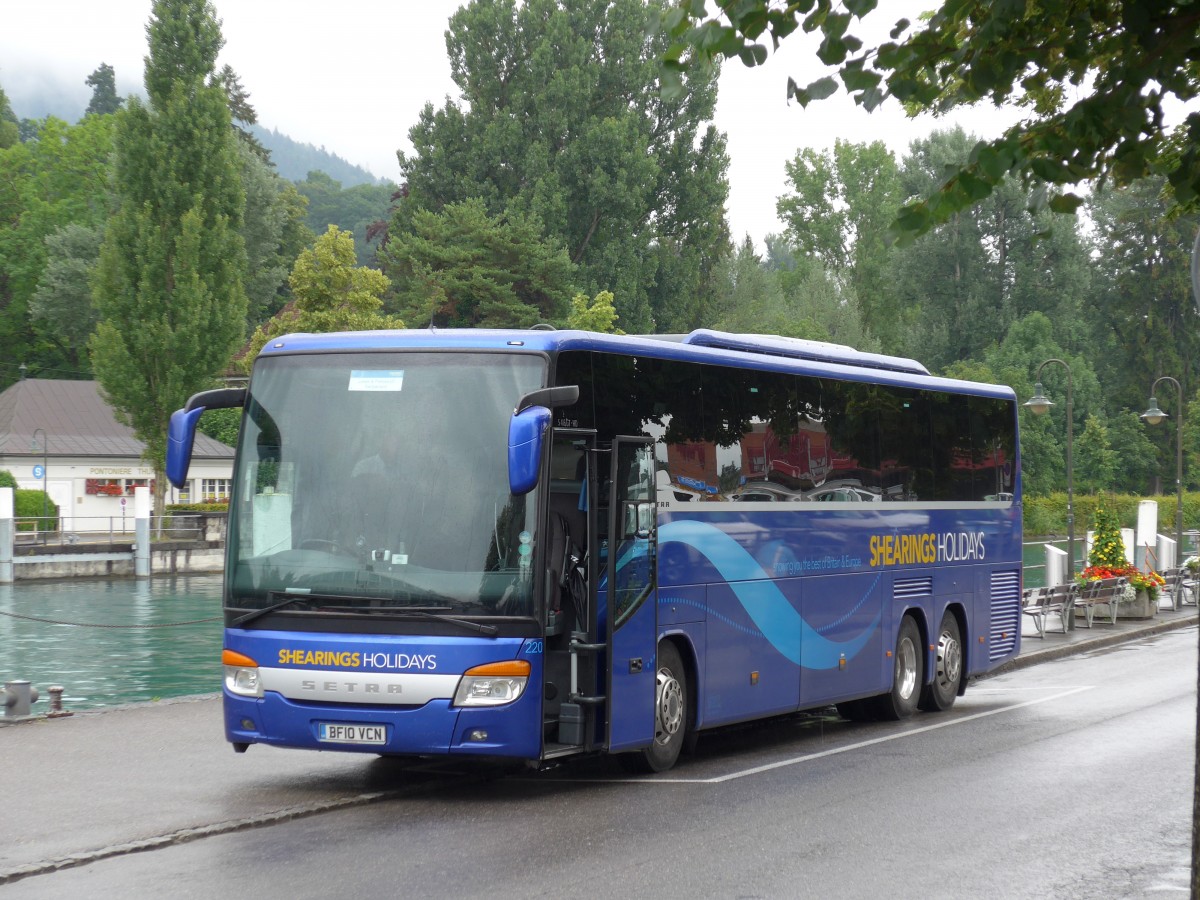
181, 432
526, 433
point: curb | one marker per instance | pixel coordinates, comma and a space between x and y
1084, 645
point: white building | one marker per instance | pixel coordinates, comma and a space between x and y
62, 436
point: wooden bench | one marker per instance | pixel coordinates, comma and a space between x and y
1106, 592
1040, 603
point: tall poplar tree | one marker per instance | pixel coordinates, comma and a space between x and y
169, 282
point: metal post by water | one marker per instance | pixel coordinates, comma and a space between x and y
141, 535
7, 535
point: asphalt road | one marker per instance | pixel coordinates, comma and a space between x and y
1069, 779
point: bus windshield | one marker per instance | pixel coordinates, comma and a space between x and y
373, 484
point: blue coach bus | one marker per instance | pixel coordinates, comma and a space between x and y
538, 544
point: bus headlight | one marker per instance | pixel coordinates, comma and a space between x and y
493, 684
241, 674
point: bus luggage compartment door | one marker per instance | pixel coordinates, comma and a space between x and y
632, 619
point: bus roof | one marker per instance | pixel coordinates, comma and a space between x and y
703, 345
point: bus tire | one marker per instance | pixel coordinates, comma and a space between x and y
942, 690
671, 717
908, 674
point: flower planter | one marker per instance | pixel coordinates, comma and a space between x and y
1140, 607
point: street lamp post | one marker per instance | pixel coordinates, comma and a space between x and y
1153, 416
1039, 405
45, 453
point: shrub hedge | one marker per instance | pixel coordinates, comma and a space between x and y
1046, 516
27, 504
197, 507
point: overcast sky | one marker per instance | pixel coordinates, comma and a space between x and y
352, 77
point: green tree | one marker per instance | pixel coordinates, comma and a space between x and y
1144, 322
1095, 460
169, 286
10, 129
788, 297
1095, 79
1137, 458
274, 232
752, 299
222, 425
1029, 343
560, 120
62, 304
360, 209
329, 293
838, 210
597, 314
241, 111
462, 268
103, 83
958, 289
58, 179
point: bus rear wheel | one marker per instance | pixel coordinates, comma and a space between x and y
942, 690
901, 701
671, 717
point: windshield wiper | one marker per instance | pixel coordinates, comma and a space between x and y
389, 611
415, 613
258, 613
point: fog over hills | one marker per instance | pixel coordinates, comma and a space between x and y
43, 94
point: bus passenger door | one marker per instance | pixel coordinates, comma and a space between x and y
632, 614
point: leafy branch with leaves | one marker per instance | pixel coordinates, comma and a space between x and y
1096, 80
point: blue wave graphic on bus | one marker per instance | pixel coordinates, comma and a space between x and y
766, 605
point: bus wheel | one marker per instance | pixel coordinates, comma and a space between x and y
670, 715
901, 701
940, 693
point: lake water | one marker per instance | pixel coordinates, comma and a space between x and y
114, 641
1034, 560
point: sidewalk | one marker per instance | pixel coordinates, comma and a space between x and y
109, 782
1077, 640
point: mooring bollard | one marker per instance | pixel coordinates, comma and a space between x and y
56, 691
18, 697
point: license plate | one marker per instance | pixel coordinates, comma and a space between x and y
350, 734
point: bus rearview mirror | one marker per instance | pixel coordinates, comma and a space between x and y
181, 431
526, 433
181, 434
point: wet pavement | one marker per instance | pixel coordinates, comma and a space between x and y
103, 783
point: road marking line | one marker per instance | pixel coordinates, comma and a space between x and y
757, 770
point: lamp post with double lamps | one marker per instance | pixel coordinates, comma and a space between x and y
1039, 405
1153, 416
45, 460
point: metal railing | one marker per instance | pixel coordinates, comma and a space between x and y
49, 530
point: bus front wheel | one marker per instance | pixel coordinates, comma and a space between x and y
671, 718
901, 701
941, 692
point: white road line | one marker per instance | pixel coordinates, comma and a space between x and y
795, 760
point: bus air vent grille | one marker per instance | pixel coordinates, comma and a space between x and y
913, 588
1006, 614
